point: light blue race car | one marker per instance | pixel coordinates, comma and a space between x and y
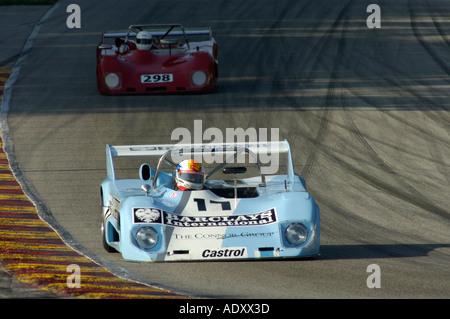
251, 204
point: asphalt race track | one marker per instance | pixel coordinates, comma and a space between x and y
366, 111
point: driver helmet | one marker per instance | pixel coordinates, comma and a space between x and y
144, 40
190, 174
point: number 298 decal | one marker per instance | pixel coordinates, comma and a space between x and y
156, 78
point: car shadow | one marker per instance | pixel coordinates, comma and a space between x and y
372, 251
347, 252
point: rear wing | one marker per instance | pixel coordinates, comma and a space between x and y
160, 150
160, 30
158, 33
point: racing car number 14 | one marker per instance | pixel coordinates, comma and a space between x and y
156, 78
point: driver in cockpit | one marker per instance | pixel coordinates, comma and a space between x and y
144, 40
190, 175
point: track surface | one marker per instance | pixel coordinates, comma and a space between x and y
366, 112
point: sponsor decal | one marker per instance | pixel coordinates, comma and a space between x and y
223, 236
263, 218
152, 215
114, 204
224, 253
173, 195
147, 215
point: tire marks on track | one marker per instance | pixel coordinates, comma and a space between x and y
394, 184
403, 191
416, 29
331, 90
397, 186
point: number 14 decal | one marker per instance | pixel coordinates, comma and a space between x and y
201, 204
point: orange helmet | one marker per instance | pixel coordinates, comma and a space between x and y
190, 175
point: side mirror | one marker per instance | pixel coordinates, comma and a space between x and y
145, 188
145, 172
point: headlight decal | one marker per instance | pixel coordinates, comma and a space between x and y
294, 234
199, 78
147, 237
112, 80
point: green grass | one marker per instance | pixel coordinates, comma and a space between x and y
27, 2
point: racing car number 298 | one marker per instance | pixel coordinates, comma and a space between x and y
156, 78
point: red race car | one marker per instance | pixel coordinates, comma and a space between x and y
157, 59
